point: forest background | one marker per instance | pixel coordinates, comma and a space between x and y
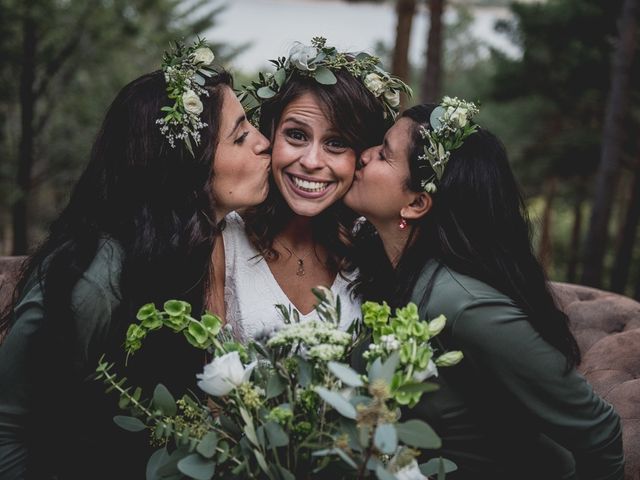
566, 105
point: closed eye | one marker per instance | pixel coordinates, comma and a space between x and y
240, 140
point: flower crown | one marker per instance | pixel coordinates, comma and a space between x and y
319, 62
451, 125
185, 69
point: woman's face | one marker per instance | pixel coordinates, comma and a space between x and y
312, 164
241, 162
379, 190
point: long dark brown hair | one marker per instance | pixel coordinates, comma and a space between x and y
154, 203
478, 226
359, 117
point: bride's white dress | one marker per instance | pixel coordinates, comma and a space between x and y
251, 292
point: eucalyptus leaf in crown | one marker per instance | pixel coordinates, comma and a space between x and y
451, 125
185, 72
320, 62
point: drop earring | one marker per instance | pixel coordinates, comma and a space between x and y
402, 224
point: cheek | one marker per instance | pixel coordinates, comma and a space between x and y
282, 154
345, 168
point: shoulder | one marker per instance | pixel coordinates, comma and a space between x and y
454, 293
102, 277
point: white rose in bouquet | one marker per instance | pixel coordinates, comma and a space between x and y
430, 371
224, 374
410, 472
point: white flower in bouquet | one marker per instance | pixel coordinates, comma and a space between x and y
191, 102
203, 55
301, 55
430, 371
375, 84
224, 374
410, 472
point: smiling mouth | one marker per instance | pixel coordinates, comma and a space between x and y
308, 185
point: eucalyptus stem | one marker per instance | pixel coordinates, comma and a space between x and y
110, 378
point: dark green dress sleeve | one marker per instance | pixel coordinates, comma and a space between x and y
498, 340
94, 298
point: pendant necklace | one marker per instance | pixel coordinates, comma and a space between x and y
300, 270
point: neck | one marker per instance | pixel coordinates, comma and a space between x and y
394, 240
297, 233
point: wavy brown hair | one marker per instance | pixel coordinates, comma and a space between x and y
359, 117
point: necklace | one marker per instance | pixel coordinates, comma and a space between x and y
300, 270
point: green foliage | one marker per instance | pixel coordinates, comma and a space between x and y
176, 316
288, 413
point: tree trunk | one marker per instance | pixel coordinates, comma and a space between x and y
432, 81
27, 111
574, 246
624, 255
614, 124
405, 10
545, 249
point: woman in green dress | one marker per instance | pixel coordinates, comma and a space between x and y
447, 229
174, 155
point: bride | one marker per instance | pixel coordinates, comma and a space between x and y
324, 108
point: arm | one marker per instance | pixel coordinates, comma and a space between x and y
19, 384
496, 336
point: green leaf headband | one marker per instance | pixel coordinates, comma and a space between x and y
451, 125
185, 70
319, 62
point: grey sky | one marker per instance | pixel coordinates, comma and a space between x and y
273, 25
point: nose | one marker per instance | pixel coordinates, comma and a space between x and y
366, 156
311, 158
262, 145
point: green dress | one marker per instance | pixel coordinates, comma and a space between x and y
23, 373
510, 410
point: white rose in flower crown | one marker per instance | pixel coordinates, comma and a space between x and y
224, 374
203, 55
392, 97
375, 84
300, 55
459, 116
191, 102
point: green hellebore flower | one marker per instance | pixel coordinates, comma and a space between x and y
176, 308
146, 311
408, 314
212, 323
375, 315
437, 324
449, 359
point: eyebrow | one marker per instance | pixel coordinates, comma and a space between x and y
295, 120
239, 121
302, 123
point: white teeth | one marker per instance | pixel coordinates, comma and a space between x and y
309, 186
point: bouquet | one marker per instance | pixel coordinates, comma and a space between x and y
289, 406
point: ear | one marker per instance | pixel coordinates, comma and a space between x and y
418, 208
